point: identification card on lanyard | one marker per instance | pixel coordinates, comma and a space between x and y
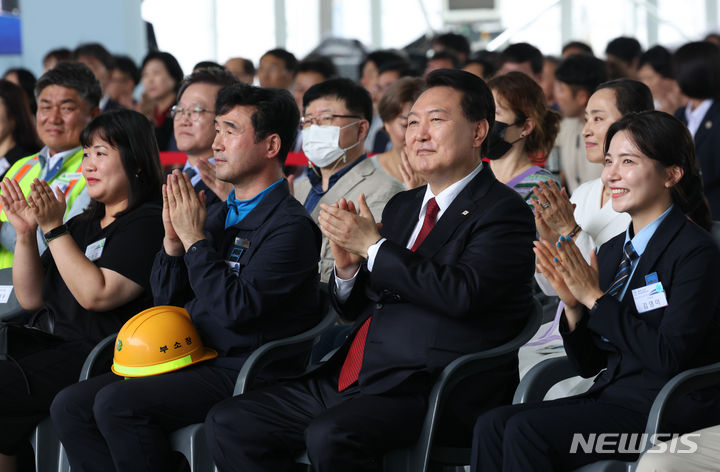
239, 246
95, 250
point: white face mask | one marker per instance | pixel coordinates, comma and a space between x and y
321, 144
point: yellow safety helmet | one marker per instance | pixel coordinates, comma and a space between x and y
158, 340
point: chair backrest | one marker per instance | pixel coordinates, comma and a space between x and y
459, 370
286, 349
10, 308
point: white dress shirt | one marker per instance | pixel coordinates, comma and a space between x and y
694, 117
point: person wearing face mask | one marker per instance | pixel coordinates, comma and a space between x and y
524, 125
335, 123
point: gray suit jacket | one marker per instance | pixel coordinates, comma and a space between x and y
377, 186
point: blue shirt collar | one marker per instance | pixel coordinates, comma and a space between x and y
239, 209
642, 238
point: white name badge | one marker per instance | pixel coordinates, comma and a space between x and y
4, 165
95, 250
5, 291
649, 297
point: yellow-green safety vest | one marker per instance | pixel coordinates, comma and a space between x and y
69, 179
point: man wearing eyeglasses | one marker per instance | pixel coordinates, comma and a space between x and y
194, 127
334, 127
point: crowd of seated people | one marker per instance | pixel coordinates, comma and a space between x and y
439, 195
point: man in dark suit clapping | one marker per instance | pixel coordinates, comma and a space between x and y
448, 274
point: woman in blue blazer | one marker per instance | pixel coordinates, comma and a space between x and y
645, 309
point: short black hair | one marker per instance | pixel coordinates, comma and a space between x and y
171, 65
477, 100
457, 43
584, 47
275, 112
660, 59
697, 69
97, 51
523, 52
379, 58
286, 56
357, 100
403, 68
75, 76
454, 59
488, 59
210, 75
126, 65
624, 48
582, 72
59, 54
631, 96
248, 66
206, 65
133, 135
323, 65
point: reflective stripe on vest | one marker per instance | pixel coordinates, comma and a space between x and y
28, 169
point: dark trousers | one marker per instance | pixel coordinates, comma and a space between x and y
538, 436
109, 423
28, 385
265, 430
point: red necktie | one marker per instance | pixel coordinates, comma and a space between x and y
431, 212
353, 362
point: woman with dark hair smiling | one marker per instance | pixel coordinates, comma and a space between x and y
18, 137
588, 217
94, 275
645, 308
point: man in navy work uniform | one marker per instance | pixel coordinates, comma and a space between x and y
448, 274
246, 272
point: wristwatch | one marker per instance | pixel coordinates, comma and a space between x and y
56, 232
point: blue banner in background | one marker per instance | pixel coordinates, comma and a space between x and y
10, 42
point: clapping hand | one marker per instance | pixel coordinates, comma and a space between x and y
347, 230
346, 263
19, 213
48, 207
553, 211
580, 278
185, 209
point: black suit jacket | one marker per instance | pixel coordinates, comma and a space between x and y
707, 152
466, 288
644, 350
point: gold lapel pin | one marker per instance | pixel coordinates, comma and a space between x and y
708, 124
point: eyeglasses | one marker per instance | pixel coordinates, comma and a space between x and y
325, 119
195, 112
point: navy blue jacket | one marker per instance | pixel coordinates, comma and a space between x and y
273, 295
645, 350
465, 289
707, 153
